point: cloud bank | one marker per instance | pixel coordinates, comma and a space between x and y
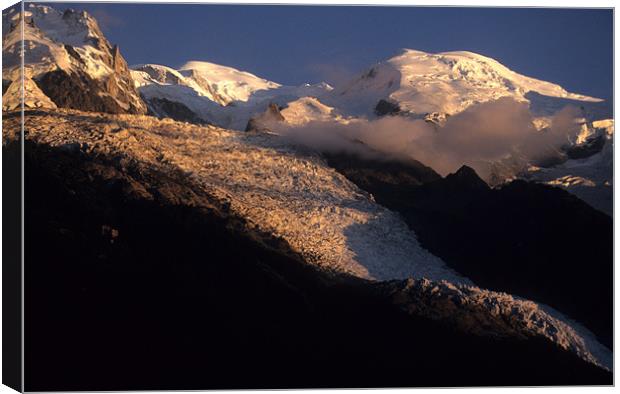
485, 134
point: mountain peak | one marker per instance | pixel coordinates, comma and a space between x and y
72, 56
231, 84
466, 178
465, 170
447, 83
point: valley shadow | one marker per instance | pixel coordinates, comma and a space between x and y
527, 239
134, 279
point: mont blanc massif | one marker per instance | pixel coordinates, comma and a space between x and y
437, 220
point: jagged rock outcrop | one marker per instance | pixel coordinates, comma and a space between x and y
164, 108
588, 148
69, 59
372, 169
465, 178
385, 107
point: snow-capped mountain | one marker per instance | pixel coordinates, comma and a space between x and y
220, 84
66, 50
414, 84
277, 195
216, 94
227, 84
420, 83
69, 63
68, 59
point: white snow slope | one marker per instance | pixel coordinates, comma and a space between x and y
44, 39
420, 83
449, 82
218, 94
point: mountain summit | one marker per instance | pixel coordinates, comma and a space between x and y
449, 82
69, 59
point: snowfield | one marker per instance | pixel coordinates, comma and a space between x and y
229, 83
446, 83
220, 95
308, 109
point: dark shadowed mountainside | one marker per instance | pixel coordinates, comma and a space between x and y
528, 239
137, 279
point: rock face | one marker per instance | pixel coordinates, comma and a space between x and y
80, 92
114, 208
385, 107
69, 59
164, 108
465, 179
589, 148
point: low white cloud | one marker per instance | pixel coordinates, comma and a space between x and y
484, 133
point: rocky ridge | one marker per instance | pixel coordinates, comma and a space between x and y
69, 59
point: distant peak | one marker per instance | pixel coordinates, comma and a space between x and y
467, 176
465, 171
